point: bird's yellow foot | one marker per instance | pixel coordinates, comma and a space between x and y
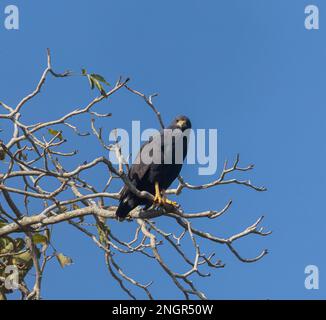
161, 201
158, 198
172, 203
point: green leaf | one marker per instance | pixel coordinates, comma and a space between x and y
99, 86
7, 245
2, 155
24, 258
63, 260
98, 77
2, 224
55, 132
91, 81
96, 80
20, 244
39, 239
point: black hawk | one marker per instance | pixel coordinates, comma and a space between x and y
156, 166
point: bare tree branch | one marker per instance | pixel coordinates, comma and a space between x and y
34, 170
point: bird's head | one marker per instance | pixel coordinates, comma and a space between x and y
181, 122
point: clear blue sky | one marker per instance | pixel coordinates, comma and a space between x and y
248, 68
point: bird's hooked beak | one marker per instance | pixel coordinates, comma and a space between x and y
181, 123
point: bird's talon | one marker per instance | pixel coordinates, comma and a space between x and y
158, 200
172, 203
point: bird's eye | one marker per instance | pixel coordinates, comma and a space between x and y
181, 123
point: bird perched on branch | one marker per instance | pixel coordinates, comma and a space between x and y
156, 166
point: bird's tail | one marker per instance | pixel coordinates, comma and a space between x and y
125, 206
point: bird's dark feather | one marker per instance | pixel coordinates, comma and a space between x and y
143, 176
